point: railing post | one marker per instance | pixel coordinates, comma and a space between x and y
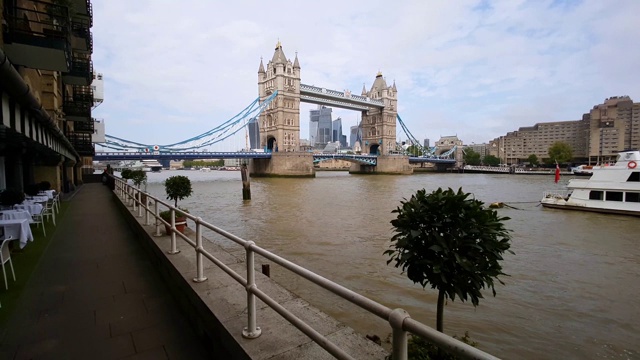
199, 261
400, 347
251, 331
146, 210
157, 213
174, 245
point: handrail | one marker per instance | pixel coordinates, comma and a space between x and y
398, 319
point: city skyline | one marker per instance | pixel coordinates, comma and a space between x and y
475, 69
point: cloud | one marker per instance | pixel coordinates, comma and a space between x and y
478, 69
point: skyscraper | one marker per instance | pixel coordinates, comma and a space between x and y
254, 133
355, 134
337, 132
320, 127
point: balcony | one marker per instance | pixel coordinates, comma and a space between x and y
81, 72
83, 9
84, 127
77, 104
81, 37
37, 35
82, 143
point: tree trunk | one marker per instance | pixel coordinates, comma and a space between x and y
439, 325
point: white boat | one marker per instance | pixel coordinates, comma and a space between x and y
611, 189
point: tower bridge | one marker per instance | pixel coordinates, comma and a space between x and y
277, 114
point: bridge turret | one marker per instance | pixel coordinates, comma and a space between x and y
379, 125
280, 122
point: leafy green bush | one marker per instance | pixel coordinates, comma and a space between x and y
177, 188
125, 173
451, 242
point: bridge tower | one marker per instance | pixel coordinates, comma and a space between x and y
379, 125
280, 122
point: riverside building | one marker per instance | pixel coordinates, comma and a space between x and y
606, 129
46, 75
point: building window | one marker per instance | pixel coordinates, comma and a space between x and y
635, 176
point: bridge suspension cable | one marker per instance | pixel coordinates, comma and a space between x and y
426, 152
210, 137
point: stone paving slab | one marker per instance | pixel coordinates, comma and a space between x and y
96, 295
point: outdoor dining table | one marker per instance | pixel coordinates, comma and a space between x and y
47, 193
18, 229
31, 207
15, 215
38, 198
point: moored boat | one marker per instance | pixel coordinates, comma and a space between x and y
610, 189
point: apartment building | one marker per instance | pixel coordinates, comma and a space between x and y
45, 85
606, 129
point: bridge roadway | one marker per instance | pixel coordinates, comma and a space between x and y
357, 158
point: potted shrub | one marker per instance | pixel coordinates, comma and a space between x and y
177, 188
44, 185
181, 219
10, 197
32, 189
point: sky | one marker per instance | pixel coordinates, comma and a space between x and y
175, 69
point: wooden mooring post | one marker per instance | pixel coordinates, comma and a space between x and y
246, 183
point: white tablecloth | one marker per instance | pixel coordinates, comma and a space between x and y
15, 215
32, 208
38, 198
47, 193
19, 229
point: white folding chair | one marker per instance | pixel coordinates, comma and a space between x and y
38, 219
48, 211
56, 201
5, 257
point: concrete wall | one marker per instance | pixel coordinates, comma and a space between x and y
286, 164
387, 165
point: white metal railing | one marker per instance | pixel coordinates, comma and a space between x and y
557, 194
399, 320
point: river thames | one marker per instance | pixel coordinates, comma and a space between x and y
574, 281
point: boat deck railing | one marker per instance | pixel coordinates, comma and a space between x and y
557, 194
399, 320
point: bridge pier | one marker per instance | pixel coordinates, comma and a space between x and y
386, 165
283, 164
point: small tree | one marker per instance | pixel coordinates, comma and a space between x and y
471, 157
451, 242
126, 173
138, 177
491, 160
533, 160
560, 152
414, 150
177, 188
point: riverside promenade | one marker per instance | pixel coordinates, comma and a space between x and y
95, 294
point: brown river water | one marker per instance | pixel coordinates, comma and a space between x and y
574, 285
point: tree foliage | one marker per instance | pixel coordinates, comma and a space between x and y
414, 150
560, 152
177, 188
471, 157
491, 160
451, 242
533, 159
201, 163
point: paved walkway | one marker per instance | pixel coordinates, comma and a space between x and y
94, 295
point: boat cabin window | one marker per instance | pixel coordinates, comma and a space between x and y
596, 195
632, 197
614, 195
635, 176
